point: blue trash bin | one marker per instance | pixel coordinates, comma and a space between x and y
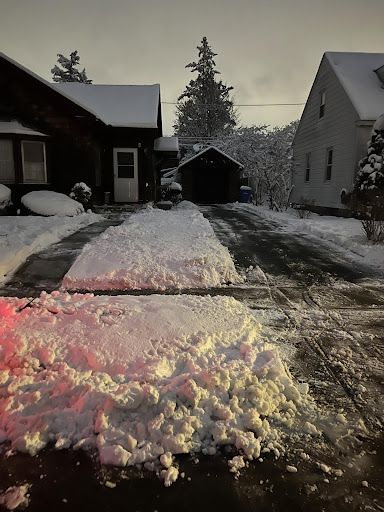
245, 194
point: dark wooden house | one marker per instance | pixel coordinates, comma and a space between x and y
54, 135
210, 176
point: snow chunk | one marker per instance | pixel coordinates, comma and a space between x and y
170, 475
114, 455
14, 497
46, 202
154, 249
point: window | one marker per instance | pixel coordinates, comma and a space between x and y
34, 165
307, 166
329, 162
125, 165
7, 164
322, 104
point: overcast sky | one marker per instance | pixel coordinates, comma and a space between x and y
268, 50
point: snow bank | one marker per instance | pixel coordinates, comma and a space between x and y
154, 249
346, 234
46, 202
22, 236
5, 196
142, 379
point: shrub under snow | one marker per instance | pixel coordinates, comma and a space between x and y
5, 196
46, 202
82, 193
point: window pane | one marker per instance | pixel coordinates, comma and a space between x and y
126, 171
330, 156
125, 158
33, 161
7, 166
33, 152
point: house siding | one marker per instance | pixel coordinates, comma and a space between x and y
336, 130
79, 146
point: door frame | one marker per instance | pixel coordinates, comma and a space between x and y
134, 195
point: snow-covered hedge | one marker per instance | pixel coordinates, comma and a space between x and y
46, 202
5, 197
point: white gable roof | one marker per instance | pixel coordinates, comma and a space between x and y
356, 74
132, 106
17, 128
207, 149
129, 106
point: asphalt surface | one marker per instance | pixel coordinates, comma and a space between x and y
328, 314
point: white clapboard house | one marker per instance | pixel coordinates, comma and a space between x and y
346, 98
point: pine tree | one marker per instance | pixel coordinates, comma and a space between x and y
368, 191
371, 167
205, 108
68, 71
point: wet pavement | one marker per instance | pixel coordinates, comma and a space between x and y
327, 315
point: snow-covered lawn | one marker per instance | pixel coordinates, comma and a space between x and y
154, 249
22, 236
346, 234
142, 379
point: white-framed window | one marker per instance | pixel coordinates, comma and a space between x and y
7, 164
322, 104
307, 166
34, 161
329, 164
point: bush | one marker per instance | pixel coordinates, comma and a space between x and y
303, 209
171, 192
81, 193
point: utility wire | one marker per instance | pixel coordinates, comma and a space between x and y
241, 104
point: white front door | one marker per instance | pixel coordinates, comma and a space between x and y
126, 178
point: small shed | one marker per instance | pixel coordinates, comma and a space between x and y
210, 176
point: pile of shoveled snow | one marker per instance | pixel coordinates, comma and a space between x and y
145, 378
5, 196
22, 236
154, 249
46, 202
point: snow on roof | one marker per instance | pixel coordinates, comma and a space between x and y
356, 72
17, 128
131, 106
166, 144
207, 149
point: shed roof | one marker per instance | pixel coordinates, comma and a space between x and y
208, 148
128, 106
166, 144
356, 72
14, 127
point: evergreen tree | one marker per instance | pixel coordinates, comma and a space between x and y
205, 108
367, 197
68, 71
371, 167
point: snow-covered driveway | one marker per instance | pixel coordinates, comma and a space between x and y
157, 250
323, 317
22, 236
